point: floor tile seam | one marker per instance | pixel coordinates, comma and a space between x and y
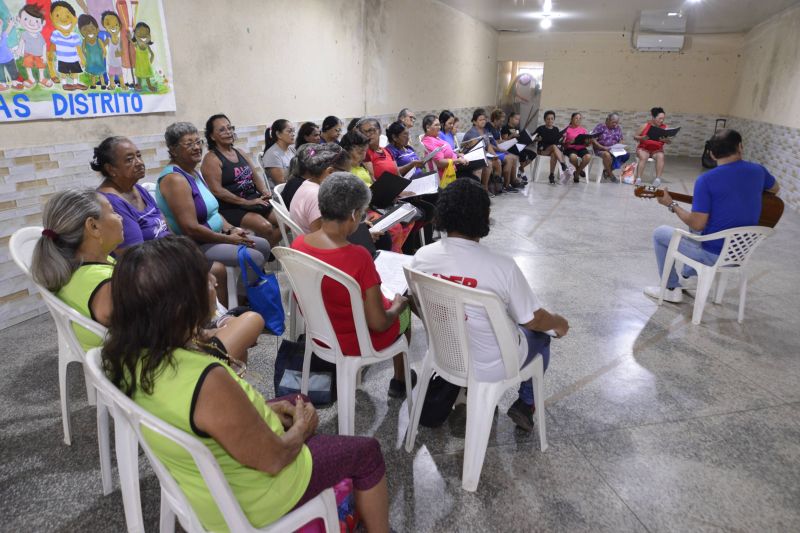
677, 420
608, 484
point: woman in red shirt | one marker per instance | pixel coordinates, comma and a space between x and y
378, 160
343, 201
651, 147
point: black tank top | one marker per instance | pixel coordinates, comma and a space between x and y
237, 177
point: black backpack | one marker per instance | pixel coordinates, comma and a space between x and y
438, 403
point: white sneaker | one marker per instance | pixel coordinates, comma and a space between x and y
638, 182
687, 283
674, 296
656, 182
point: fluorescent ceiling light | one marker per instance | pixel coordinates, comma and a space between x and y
548, 6
674, 14
546, 23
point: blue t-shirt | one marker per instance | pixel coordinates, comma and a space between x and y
731, 195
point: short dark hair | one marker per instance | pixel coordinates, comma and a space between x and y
656, 111
394, 129
477, 113
575, 114
160, 294
427, 121
353, 123
330, 122
463, 207
549, 112
109, 14
353, 138
32, 10
85, 20
62, 3
444, 116
210, 129
725, 143
305, 130
145, 26
104, 154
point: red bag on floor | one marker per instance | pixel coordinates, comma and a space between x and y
345, 504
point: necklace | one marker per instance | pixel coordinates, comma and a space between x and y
215, 348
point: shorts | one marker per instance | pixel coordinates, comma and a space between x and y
650, 153
235, 213
32, 61
69, 67
543, 148
114, 71
580, 153
501, 156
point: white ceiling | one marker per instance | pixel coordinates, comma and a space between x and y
707, 16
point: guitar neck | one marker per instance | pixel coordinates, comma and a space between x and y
685, 198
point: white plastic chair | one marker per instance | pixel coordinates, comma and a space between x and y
70, 350
541, 166
421, 136
736, 251
306, 274
595, 169
459, 138
233, 296
276, 195
173, 500
289, 228
150, 187
442, 307
383, 141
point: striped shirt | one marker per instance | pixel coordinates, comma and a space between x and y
66, 46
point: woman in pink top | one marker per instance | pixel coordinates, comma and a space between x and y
578, 154
431, 141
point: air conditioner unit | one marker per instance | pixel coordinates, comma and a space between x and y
657, 42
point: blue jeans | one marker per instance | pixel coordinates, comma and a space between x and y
538, 343
693, 249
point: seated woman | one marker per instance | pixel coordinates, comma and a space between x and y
278, 151
268, 451
404, 156
331, 130
511, 131
316, 162
447, 120
495, 126
578, 155
120, 163
343, 202
549, 137
191, 209
501, 164
308, 133
431, 141
378, 160
234, 181
71, 259
355, 144
648, 147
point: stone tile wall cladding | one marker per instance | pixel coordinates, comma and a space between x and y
30, 176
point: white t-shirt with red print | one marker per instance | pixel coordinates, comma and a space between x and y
474, 265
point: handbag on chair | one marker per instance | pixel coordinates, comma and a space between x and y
263, 294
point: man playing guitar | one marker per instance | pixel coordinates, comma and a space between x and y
725, 197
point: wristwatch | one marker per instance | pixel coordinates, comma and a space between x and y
672, 206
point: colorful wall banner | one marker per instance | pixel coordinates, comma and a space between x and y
83, 58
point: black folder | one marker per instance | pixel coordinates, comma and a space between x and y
386, 188
656, 133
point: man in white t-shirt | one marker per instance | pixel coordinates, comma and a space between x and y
462, 211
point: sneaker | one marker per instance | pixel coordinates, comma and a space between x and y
612, 178
563, 166
583, 174
397, 388
552, 179
687, 283
509, 188
522, 414
674, 296
656, 182
638, 182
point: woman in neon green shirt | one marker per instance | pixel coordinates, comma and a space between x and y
267, 452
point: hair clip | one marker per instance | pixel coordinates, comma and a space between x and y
50, 234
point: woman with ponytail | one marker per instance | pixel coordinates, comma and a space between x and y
72, 257
278, 151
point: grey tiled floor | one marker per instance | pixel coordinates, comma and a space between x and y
654, 424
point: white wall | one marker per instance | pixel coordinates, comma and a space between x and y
602, 71
768, 89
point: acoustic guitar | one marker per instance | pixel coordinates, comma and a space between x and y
771, 205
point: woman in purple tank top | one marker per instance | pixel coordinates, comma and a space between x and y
120, 163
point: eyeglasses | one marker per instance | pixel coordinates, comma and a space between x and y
192, 144
369, 131
223, 129
412, 118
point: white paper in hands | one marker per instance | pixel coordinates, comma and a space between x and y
428, 184
390, 268
398, 215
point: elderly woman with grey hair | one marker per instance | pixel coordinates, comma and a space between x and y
610, 133
189, 207
343, 201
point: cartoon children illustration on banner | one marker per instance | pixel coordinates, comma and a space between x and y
59, 57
